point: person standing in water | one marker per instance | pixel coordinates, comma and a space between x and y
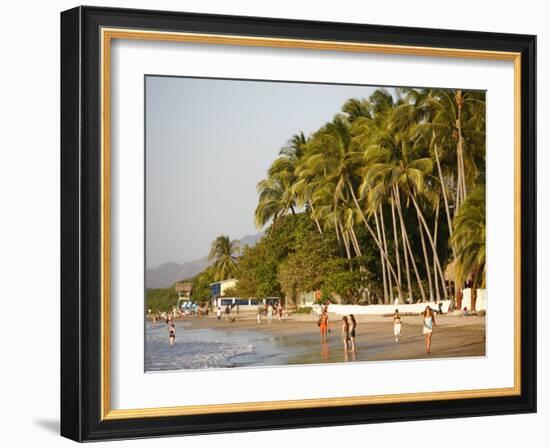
428, 325
352, 327
396, 325
324, 326
345, 333
259, 313
171, 334
279, 312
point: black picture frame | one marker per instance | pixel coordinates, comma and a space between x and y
81, 224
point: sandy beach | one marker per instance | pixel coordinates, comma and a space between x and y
296, 340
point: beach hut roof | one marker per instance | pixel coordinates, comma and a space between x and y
183, 286
450, 271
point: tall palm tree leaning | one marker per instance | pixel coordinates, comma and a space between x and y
224, 252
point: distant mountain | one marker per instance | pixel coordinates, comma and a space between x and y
169, 273
251, 240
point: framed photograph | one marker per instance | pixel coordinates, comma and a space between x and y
272, 223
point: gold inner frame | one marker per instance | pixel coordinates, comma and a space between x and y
107, 35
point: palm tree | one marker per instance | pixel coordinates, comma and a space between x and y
224, 253
277, 194
334, 156
469, 240
276, 200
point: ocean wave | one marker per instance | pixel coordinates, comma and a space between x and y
193, 349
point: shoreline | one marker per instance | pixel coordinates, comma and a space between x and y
296, 340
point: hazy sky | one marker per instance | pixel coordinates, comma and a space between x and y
208, 143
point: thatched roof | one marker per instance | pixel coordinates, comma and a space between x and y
183, 287
450, 271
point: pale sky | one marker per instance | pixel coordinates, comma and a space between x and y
208, 143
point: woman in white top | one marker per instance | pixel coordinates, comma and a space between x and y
428, 325
269, 314
396, 325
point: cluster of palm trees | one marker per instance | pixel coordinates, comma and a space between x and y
408, 169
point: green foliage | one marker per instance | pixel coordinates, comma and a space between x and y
469, 236
362, 208
201, 285
303, 310
161, 299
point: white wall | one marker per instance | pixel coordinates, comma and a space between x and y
29, 227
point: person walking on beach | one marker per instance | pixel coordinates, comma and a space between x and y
259, 314
428, 325
227, 312
269, 313
352, 327
171, 334
324, 326
279, 312
345, 333
219, 312
396, 325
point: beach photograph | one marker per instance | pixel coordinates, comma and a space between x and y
295, 223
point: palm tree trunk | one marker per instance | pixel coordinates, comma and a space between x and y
383, 227
415, 268
460, 147
370, 230
382, 261
421, 216
346, 243
404, 238
436, 223
315, 218
397, 261
444, 192
426, 260
341, 250
407, 245
355, 242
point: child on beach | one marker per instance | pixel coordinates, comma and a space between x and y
353, 326
427, 326
171, 334
219, 313
397, 325
279, 312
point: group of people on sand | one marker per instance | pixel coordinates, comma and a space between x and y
348, 333
269, 310
349, 328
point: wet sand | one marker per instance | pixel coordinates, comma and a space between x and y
297, 338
